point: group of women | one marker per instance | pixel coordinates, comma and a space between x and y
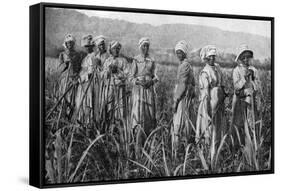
106, 86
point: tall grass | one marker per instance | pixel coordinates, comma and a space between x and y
104, 150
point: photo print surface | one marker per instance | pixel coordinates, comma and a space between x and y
143, 96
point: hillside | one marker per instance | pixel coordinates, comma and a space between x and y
163, 37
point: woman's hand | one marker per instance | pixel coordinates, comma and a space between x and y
249, 91
113, 68
250, 74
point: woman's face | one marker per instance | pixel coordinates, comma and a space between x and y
145, 49
115, 51
211, 60
89, 49
181, 55
101, 47
69, 45
245, 58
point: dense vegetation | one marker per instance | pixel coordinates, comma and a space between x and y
88, 152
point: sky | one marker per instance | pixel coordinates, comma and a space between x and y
236, 25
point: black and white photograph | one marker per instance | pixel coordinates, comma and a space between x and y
143, 95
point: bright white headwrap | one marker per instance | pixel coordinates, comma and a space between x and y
68, 38
143, 40
183, 46
113, 44
87, 40
241, 49
209, 50
99, 39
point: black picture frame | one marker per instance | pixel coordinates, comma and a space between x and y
36, 99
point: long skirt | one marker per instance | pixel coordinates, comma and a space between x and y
70, 96
243, 117
87, 101
143, 108
211, 123
183, 122
114, 101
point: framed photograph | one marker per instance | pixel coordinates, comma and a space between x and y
123, 95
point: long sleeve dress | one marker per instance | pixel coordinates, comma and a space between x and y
210, 117
183, 94
242, 100
102, 57
144, 100
115, 80
71, 63
89, 85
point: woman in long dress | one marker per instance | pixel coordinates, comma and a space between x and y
244, 104
102, 55
70, 60
143, 78
115, 74
101, 52
210, 118
88, 89
183, 94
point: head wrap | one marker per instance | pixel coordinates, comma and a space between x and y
243, 48
87, 40
68, 38
206, 51
114, 44
183, 46
99, 39
143, 41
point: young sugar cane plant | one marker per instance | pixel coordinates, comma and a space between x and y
110, 149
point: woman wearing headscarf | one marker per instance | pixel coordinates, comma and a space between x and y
210, 117
102, 55
88, 89
183, 94
70, 60
245, 81
143, 77
115, 74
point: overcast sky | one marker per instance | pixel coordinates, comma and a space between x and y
238, 25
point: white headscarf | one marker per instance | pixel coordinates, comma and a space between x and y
68, 38
113, 44
143, 41
87, 40
183, 46
206, 51
241, 49
99, 39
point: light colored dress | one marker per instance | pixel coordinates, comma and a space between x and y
210, 117
102, 57
115, 87
184, 92
143, 100
72, 58
242, 98
89, 85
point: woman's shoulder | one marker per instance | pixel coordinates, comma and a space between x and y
185, 65
140, 58
237, 69
217, 65
122, 59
